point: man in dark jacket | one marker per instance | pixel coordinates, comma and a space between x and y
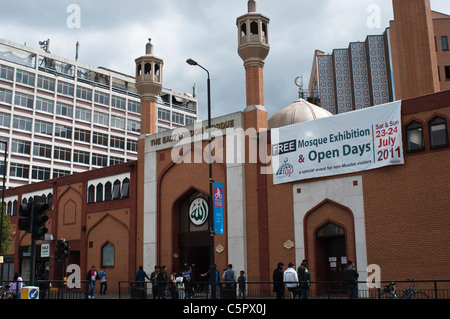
229, 278
162, 282
304, 278
278, 283
154, 279
351, 280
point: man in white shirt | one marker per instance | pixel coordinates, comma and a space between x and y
290, 279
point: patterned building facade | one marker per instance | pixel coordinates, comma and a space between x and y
375, 71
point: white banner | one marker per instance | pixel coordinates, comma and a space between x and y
345, 143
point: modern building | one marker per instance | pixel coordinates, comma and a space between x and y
376, 71
60, 117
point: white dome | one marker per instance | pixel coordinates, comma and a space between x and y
299, 111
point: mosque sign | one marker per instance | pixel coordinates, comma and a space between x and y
198, 211
350, 142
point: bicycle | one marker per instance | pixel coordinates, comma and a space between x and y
390, 292
5, 293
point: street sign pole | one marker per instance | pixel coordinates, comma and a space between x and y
33, 251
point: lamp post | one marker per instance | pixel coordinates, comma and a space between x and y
3, 195
212, 270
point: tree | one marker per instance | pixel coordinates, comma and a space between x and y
6, 237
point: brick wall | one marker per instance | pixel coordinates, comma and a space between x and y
254, 81
414, 55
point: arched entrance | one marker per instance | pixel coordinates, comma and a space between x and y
331, 255
330, 241
193, 242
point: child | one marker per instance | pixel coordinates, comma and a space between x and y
241, 284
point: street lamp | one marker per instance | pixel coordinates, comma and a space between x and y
3, 195
212, 270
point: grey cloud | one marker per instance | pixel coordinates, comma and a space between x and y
114, 33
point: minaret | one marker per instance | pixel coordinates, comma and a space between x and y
149, 84
253, 48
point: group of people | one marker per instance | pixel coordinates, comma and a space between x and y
298, 282
92, 276
181, 284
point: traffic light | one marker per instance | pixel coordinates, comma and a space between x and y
25, 211
62, 250
58, 252
65, 249
40, 208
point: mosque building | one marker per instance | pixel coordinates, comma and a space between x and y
394, 217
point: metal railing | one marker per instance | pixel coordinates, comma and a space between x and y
433, 289
57, 289
48, 289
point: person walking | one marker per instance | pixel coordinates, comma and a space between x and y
351, 280
92, 276
103, 282
304, 279
277, 278
290, 279
15, 287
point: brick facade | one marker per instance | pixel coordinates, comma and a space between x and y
87, 226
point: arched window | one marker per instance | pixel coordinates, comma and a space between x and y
50, 200
14, 212
107, 255
414, 137
147, 68
254, 27
91, 194
9, 209
264, 30
243, 30
108, 193
139, 69
438, 132
99, 194
126, 187
116, 189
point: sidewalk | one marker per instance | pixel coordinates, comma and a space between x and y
109, 295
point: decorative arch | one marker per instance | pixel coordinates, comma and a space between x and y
170, 224
69, 203
327, 212
99, 235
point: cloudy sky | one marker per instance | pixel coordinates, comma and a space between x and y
113, 33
